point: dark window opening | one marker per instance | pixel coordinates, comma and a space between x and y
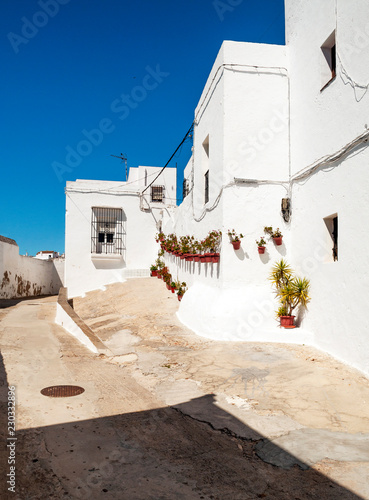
107, 230
335, 238
207, 186
329, 61
157, 194
333, 60
186, 188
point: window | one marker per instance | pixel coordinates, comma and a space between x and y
205, 165
186, 188
107, 230
328, 60
157, 194
207, 186
332, 226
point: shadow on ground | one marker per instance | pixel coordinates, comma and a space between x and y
160, 454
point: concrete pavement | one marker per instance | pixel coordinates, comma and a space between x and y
170, 415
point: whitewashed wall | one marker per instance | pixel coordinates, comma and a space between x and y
22, 276
242, 111
323, 122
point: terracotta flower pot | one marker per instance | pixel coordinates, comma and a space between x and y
236, 244
287, 321
278, 240
215, 258
261, 249
208, 257
154, 274
196, 258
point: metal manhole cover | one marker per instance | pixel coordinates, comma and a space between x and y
62, 391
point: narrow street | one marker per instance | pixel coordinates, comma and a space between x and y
169, 415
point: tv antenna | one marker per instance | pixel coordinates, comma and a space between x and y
123, 158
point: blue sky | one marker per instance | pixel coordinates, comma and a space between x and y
66, 65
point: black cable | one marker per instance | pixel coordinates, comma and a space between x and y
167, 163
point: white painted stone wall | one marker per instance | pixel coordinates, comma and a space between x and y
242, 111
323, 122
85, 271
22, 276
273, 127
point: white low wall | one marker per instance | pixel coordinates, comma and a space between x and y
22, 276
63, 319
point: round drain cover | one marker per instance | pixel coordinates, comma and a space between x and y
62, 391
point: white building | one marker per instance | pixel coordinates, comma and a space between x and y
276, 123
280, 139
46, 255
111, 226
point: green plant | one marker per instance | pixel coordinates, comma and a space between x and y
261, 242
181, 288
159, 263
273, 234
153, 268
291, 290
233, 236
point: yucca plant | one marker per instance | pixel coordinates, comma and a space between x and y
291, 290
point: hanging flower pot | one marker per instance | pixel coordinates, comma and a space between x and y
236, 244
196, 257
277, 240
287, 321
208, 257
261, 249
180, 297
154, 274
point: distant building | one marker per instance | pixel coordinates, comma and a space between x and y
47, 254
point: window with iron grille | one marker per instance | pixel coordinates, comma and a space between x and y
157, 193
107, 230
207, 186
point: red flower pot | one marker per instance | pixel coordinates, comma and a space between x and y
180, 297
154, 273
168, 286
208, 257
196, 258
278, 240
182, 256
287, 321
236, 244
158, 275
261, 249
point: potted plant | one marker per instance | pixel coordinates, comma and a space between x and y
275, 234
173, 286
154, 271
291, 291
235, 239
261, 245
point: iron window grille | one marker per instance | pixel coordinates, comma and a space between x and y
107, 230
157, 194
